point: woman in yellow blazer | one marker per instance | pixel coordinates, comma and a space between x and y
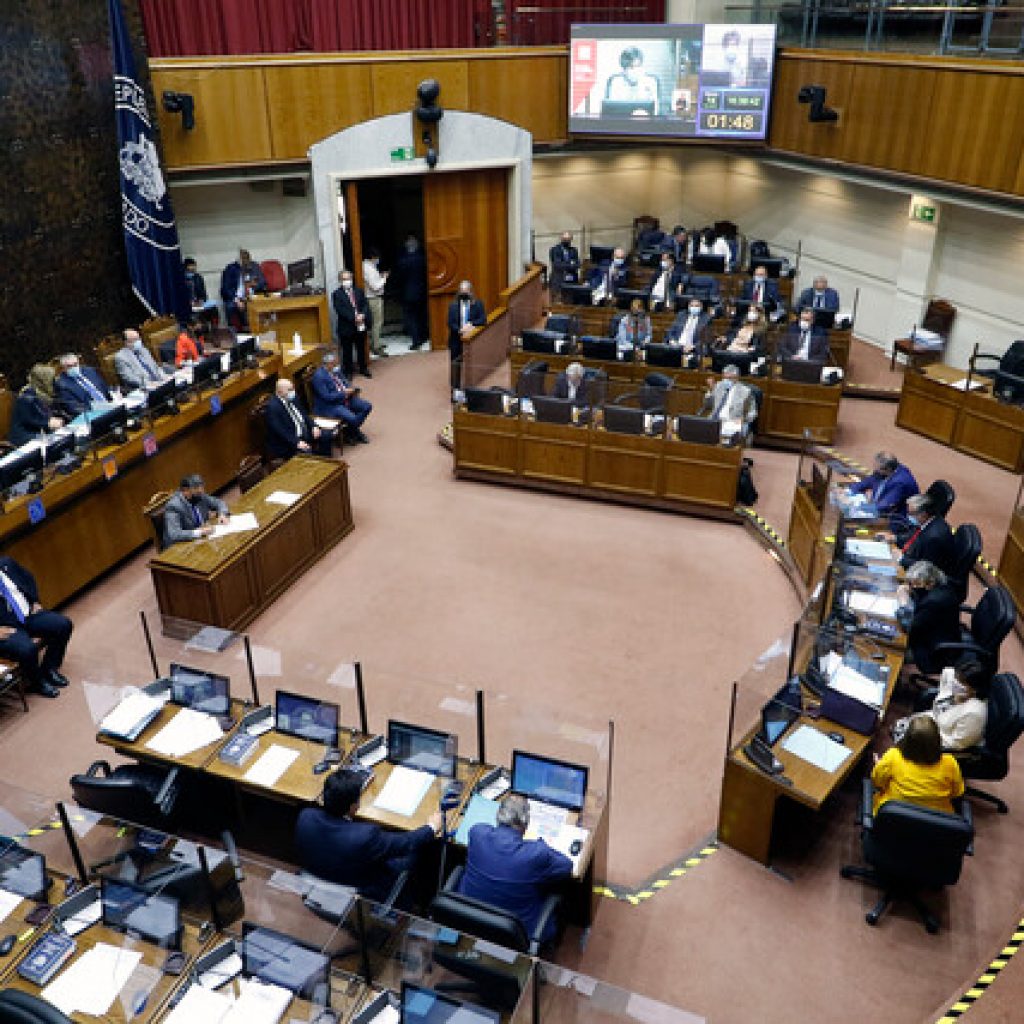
917, 771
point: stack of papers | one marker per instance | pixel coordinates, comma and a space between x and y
256, 1004
271, 765
135, 709
854, 684
404, 791
868, 548
187, 731
241, 523
282, 498
816, 748
91, 984
872, 604
546, 821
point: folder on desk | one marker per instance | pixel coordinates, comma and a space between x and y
404, 791
480, 810
128, 720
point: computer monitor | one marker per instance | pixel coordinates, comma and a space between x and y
551, 781
709, 264
825, 318
152, 916
601, 254
58, 446
160, 398
278, 959
664, 355
113, 421
621, 419
598, 348
426, 750
772, 265
552, 410
201, 691
540, 341
780, 712
698, 429
22, 871
242, 348
562, 323
17, 467
801, 371
306, 717
208, 369
421, 1005
300, 271
624, 297
486, 401
578, 294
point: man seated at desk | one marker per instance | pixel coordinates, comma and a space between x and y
608, 278
762, 291
239, 281
508, 871
289, 429
691, 330
889, 486
571, 385
731, 402
804, 341
190, 513
34, 411
667, 284
334, 397
820, 296
929, 610
134, 363
78, 388
930, 538
332, 845
23, 620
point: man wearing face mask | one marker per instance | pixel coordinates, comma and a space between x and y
411, 280
608, 278
930, 539
375, 282
354, 322
820, 296
733, 59
632, 83
565, 265
190, 513
667, 285
730, 401
691, 330
762, 291
289, 430
78, 388
889, 486
134, 364
465, 315
804, 341
929, 610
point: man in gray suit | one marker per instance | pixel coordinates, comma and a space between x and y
136, 368
731, 402
191, 513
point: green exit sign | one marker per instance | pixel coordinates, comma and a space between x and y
402, 153
924, 213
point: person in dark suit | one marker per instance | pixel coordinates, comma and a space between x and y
929, 610
22, 620
33, 412
507, 871
820, 296
190, 513
194, 283
332, 845
334, 397
678, 244
572, 385
804, 341
762, 291
239, 281
565, 265
410, 277
691, 330
465, 314
890, 485
78, 388
930, 538
289, 429
666, 289
354, 322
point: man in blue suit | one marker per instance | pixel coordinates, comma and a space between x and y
331, 844
78, 388
465, 314
888, 486
505, 870
762, 291
334, 397
820, 296
239, 281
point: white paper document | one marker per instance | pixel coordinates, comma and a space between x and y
816, 748
872, 604
854, 684
243, 522
8, 903
221, 972
135, 708
271, 765
258, 1004
962, 385
200, 1006
404, 790
91, 984
868, 548
282, 498
187, 731
546, 821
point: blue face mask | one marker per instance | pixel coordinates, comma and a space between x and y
617, 262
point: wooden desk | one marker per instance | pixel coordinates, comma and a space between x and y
466, 772
309, 315
227, 582
92, 523
972, 422
1011, 562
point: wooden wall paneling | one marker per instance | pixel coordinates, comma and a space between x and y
394, 84
928, 407
527, 91
1011, 562
790, 128
232, 121
309, 102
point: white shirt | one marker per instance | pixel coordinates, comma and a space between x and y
661, 286
374, 280
805, 343
16, 595
719, 248
686, 339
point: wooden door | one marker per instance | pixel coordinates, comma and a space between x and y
465, 220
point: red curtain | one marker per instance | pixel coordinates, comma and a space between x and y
187, 28
545, 22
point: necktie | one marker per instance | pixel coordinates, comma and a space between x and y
90, 389
817, 302
196, 514
913, 537
757, 293
723, 398
11, 594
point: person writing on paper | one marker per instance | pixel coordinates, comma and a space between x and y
929, 610
730, 401
888, 487
917, 771
191, 513
959, 706
930, 539
507, 870
331, 844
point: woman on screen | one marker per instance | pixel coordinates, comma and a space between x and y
632, 84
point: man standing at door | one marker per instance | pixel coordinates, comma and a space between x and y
354, 320
375, 282
411, 275
465, 314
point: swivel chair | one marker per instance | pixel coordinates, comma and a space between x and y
966, 547
909, 849
532, 378
153, 510
133, 792
990, 759
21, 1008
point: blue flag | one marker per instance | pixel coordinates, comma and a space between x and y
150, 233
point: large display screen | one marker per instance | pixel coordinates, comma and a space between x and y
683, 81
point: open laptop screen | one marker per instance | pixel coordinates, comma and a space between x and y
200, 691
426, 750
307, 718
552, 782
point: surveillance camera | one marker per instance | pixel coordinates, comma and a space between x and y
428, 90
181, 103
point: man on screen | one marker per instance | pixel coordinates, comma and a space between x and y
632, 83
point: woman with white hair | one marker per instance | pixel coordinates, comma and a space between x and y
929, 610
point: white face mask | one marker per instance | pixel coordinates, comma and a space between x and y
752, 318
618, 261
289, 396
666, 266
760, 280
805, 325
346, 282
695, 311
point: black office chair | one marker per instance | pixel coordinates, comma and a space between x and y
21, 1008
991, 620
133, 792
942, 494
966, 547
531, 379
597, 386
990, 759
909, 849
